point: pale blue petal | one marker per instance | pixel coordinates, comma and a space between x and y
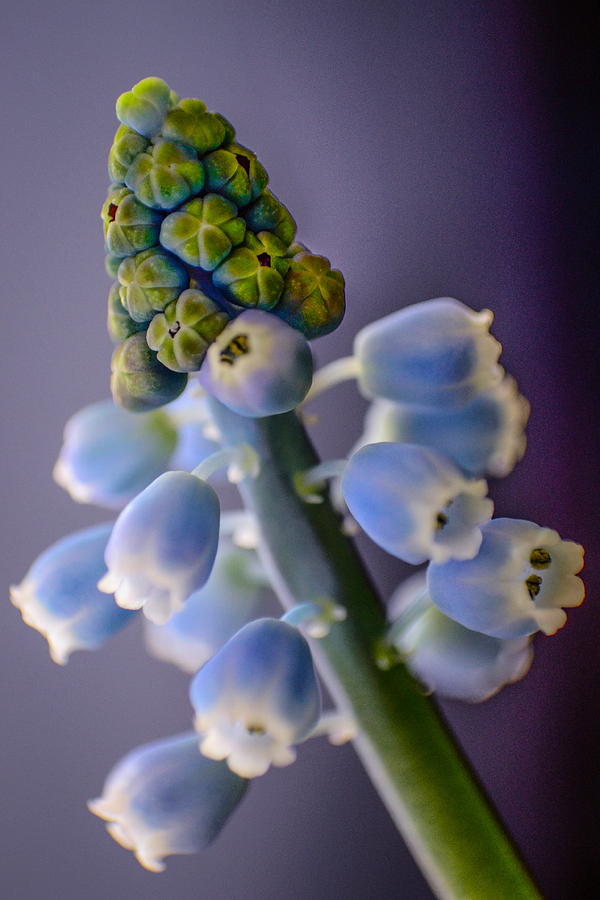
434, 353
60, 599
109, 455
166, 798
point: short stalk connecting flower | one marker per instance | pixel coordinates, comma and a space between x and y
163, 545
165, 798
415, 503
59, 597
516, 585
256, 698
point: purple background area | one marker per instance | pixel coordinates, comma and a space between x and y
428, 149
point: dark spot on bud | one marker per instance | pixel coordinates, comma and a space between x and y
534, 583
174, 329
440, 521
264, 259
238, 346
256, 730
540, 558
112, 212
244, 162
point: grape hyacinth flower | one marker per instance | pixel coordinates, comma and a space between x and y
448, 658
163, 545
213, 614
487, 435
165, 798
256, 698
415, 503
60, 599
109, 455
517, 584
258, 366
437, 353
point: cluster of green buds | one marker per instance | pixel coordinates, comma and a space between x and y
194, 238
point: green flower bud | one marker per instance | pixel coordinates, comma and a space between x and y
119, 323
111, 265
127, 144
249, 280
139, 382
229, 129
165, 175
203, 231
268, 214
129, 226
183, 333
235, 172
190, 123
143, 108
149, 281
313, 297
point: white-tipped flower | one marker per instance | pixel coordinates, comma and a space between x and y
163, 545
517, 584
415, 503
256, 698
435, 353
258, 366
448, 658
212, 615
487, 435
166, 798
60, 599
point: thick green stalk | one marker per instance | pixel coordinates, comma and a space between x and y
403, 742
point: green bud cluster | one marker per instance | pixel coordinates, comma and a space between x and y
189, 207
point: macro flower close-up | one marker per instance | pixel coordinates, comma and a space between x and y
300, 467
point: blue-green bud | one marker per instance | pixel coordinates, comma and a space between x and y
149, 281
127, 144
203, 231
235, 172
183, 333
111, 265
129, 226
166, 175
249, 280
191, 123
313, 298
119, 323
144, 107
269, 214
139, 382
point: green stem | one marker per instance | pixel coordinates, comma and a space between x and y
413, 761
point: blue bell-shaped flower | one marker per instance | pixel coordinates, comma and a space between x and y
435, 353
60, 599
415, 503
109, 455
516, 585
258, 366
212, 615
448, 658
165, 798
486, 435
257, 697
163, 545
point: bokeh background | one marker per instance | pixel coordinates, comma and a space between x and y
428, 148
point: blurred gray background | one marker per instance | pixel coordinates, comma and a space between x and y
427, 149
